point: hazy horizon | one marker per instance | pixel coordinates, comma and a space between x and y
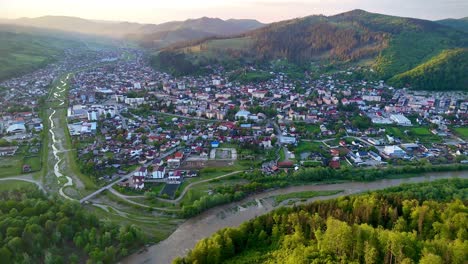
266, 11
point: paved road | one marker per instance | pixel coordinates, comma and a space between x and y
128, 176
25, 178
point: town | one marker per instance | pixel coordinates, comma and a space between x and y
123, 116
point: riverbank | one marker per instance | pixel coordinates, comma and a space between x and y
186, 235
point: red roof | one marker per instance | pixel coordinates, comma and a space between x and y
284, 164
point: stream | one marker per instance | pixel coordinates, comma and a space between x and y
56, 143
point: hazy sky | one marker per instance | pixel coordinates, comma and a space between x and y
157, 11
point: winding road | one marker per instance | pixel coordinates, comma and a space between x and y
25, 178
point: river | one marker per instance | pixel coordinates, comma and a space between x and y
186, 235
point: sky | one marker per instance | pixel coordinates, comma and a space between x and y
158, 11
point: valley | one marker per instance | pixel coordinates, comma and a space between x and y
155, 137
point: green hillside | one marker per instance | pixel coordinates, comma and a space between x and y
392, 44
21, 53
460, 24
419, 223
446, 71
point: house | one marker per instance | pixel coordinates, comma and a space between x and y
158, 172
174, 177
215, 144
287, 140
285, 164
354, 157
375, 156
8, 151
335, 163
141, 172
335, 152
192, 173
138, 182
26, 168
173, 163
242, 115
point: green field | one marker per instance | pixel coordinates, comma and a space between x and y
410, 134
10, 185
34, 162
462, 132
308, 146
10, 166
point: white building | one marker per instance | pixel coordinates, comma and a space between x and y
242, 114
16, 128
158, 172
394, 152
400, 120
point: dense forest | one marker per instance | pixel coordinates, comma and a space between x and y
419, 223
446, 71
36, 229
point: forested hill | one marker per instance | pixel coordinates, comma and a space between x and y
391, 45
446, 71
421, 223
460, 24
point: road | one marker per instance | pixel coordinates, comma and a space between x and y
127, 176
25, 178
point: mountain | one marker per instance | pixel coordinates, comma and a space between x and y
391, 45
79, 25
162, 35
149, 35
460, 24
23, 51
446, 71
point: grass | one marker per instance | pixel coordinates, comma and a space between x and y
10, 166
303, 195
411, 134
202, 189
209, 173
461, 132
13, 166
10, 185
34, 162
307, 146
156, 227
